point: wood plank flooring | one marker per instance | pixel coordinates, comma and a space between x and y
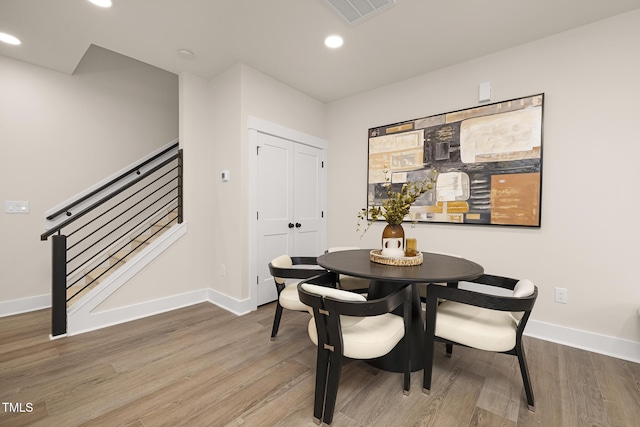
203, 366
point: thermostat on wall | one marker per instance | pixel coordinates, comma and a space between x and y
225, 176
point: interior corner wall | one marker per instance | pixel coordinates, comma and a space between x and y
268, 99
213, 135
589, 234
60, 134
224, 244
185, 266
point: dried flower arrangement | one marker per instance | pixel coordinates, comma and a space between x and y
398, 203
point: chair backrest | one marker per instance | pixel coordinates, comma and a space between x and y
519, 303
317, 288
283, 261
296, 267
335, 308
523, 288
338, 294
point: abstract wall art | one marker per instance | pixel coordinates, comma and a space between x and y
488, 161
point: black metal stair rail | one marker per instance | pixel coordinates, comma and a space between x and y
130, 215
67, 209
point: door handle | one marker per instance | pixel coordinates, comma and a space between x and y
298, 225
290, 225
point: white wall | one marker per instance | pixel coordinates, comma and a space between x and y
214, 136
184, 267
60, 134
268, 99
590, 170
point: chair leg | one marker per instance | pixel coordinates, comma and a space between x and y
429, 347
449, 350
333, 379
428, 366
524, 370
407, 374
322, 365
276, 321
407, 344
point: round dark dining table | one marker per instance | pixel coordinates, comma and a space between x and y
384, 279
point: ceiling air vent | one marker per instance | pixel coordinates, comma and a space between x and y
354, 11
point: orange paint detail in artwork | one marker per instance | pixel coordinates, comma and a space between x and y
452, 207
515, 199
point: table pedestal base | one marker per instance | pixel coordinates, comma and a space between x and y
393, 361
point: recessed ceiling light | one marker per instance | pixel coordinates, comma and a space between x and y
9, 39
333, 41
102, 3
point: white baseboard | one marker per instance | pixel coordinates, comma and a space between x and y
102, 319
97, 320
24, 305
590, 341
235, 306
122, 275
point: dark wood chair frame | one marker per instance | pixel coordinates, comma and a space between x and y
290, 273
327, 312
493, 302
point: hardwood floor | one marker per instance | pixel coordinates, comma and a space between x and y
203, 366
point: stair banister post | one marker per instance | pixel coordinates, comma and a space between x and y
59, 286
180, 192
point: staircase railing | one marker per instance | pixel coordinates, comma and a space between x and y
100, 237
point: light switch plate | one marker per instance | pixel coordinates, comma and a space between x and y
16, 207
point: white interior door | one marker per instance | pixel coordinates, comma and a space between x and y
275, 208
291, 187
307, 196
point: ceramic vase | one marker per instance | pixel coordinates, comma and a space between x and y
393, 241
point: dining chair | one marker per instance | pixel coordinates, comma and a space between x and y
423, 287
285, 267
350, 283
480, 320
346, 324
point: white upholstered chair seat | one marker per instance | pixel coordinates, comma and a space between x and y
368, 338
289, 298
476, 327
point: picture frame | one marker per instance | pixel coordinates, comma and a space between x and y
486, 160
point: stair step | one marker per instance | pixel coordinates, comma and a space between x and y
89, 278
166, 222
126, 254
144, 239
75, 288
137, 244
98, 275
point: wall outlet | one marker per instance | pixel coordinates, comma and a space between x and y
562, 295
223, 270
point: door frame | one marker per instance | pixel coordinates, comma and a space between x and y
256, 125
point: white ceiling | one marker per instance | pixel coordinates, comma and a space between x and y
284, 38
